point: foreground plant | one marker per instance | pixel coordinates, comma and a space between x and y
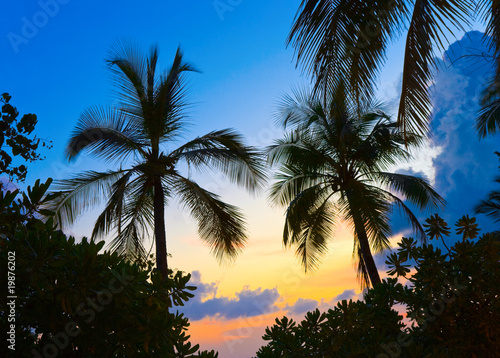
451, 303
491, 205
16, 140
74, 300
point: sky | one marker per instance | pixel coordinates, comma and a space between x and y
53, 65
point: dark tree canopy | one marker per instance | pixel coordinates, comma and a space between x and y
16, 140
450, 298
74, 300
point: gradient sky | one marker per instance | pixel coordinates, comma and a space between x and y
53, 65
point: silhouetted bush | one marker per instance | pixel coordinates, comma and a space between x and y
451, 301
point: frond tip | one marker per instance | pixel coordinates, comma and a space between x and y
220, 225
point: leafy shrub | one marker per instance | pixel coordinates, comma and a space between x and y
15, 135
75, 301
451, 301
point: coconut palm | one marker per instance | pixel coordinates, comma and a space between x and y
143, 129
334, 164
346, 41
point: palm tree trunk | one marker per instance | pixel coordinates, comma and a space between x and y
366, 253
160, 235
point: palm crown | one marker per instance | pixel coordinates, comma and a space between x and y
346, 41
148, 120
334, 164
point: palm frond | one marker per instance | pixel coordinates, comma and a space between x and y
111, 216
490, 206
106, 133
81, 193
298, 109
371, 206
343, 43
312, 244
362, 274
129, 68
416, 190
489, 13
129, 242
428, 26
413, 220
309, 225
137, 217
220, 225
302, 148
340, 42
290, 181
225, 151
170, 99
383, 146
488, 119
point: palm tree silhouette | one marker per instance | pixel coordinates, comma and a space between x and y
334, 164
147, 121
346, 41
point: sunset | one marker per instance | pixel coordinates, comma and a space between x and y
285, 156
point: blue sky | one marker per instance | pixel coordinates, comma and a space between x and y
59, 69
53, 65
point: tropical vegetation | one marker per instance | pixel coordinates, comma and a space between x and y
450, 301
76, 300
140, 131
335, 164
346, 42
16, 140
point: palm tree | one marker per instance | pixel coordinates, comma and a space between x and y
334, 164
142, 129
346, 41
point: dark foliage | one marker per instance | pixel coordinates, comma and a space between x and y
15, 136
451, 302
73, 300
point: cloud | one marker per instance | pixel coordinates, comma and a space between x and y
302, 305
247, 303
6, 184
466, 166
460, 166
346, 295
